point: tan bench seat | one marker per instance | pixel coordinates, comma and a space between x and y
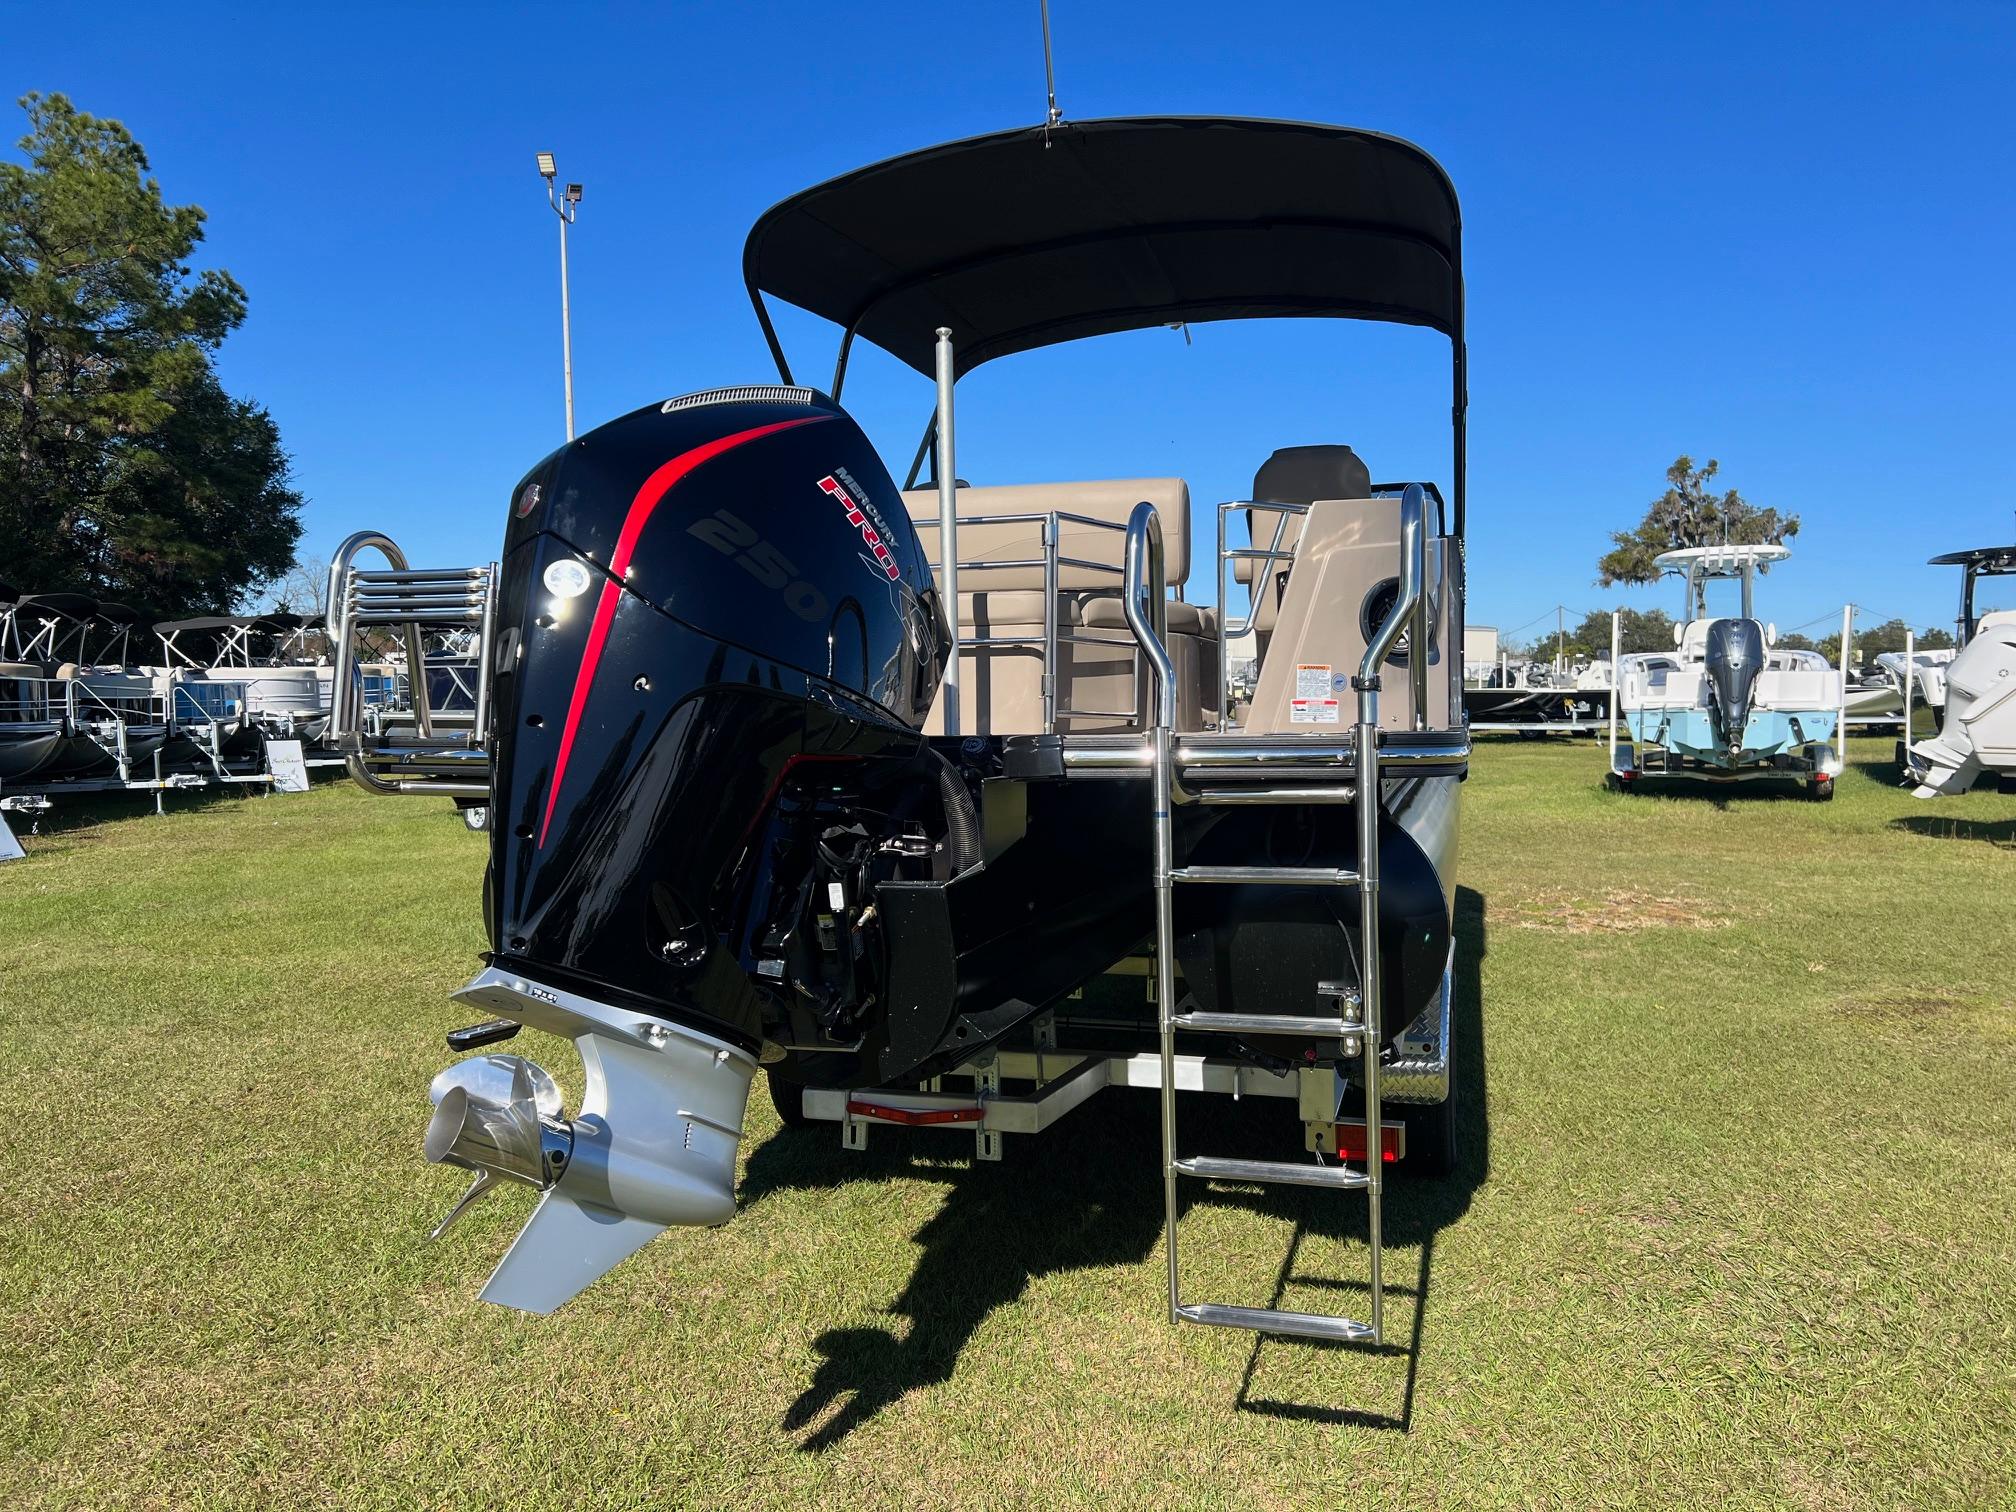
1001, 686
1108, 611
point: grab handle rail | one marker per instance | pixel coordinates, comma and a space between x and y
1409, 612
344, 719
1143, 600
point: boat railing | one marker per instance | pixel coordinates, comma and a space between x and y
204, 703
1229, 629
27, 701
410, 750
1052, 562
1414, 535
73, 701
84, 702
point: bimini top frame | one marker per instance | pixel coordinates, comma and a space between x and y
58, 627
1041, 235
226, 640
1982, 561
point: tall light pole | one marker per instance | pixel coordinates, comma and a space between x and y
566, 205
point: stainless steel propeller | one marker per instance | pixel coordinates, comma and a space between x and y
499, 1116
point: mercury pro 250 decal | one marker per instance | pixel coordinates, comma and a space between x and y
865, 517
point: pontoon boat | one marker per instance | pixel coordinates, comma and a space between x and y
253, 664
30, 730
65, 665
927, 804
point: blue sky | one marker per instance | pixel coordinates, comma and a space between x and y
1783, 237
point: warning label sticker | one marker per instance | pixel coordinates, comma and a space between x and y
1312, 703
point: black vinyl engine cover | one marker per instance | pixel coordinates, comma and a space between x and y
757, 607
1733, 655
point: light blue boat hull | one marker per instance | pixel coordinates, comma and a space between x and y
1771, 733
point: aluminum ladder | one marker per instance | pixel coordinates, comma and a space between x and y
1358, 1021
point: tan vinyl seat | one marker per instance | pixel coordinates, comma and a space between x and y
1108, 611
1001, 685
1005, 607
1317, 631
1110, 501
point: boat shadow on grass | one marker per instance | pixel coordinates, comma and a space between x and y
1885, 771
1721, 793
2000, 833
1094, 1201
70, 812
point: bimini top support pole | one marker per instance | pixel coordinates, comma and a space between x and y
1459, 408
948, 526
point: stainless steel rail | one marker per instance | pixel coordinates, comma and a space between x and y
1356, 1028
451, 761
1207, 756
1052, 562
1228, 630
1147, 614
1413, 568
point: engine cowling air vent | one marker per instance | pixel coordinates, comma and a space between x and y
774, 393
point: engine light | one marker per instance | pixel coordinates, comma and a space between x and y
567, 578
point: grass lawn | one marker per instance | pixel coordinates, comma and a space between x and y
1734, 1228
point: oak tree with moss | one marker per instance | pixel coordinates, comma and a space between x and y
1690, 513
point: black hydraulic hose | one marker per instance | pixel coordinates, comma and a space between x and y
962, 820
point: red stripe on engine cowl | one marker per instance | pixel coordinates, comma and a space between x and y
659, 484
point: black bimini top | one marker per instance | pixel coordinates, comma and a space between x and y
215, 626
203, 622
1031, 237
1987, 560
75, 606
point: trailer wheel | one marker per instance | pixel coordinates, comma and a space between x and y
788, 1098
1431, 1132
1431, 1137
477, 817
1821, 789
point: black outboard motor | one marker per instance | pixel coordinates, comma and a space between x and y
700, 602
717, 640
1734, 655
